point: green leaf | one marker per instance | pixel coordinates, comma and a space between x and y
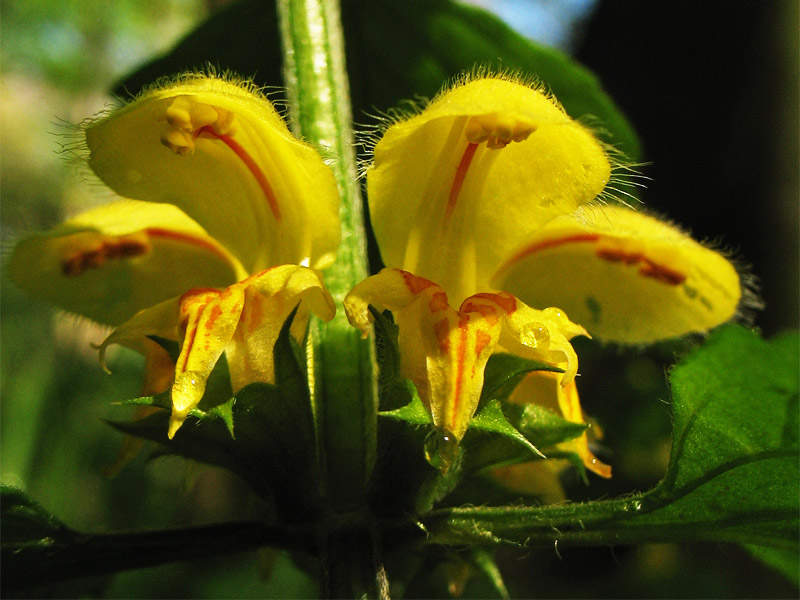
396, 51
739, 391
217, 401
162, 400
542, 426
786, 562
274, 449
732, 475
394, 391
413, 413
484, 560
208, 441
491, 419
242, 37
538, 425
25, 522
504, 372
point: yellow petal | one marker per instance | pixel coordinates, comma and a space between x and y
243, 320
159, 320
455, 188
627, 277
270, 297
549, 390
540, 478
208, 320
542, 335
218, 150
444, 351
108, 263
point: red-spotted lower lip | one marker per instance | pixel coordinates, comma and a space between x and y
647, 266
251, 165
130, 246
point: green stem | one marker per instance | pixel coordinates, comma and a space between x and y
344, 384
345, 394
67, 554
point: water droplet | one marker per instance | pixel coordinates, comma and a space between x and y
441, 449
536, 335
188, 389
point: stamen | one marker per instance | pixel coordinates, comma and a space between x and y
497, 131
187, 120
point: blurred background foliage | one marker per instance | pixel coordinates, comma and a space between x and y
712, 90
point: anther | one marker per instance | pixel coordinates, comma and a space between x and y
497, 130
186, 118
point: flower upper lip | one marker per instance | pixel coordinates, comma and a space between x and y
223, 155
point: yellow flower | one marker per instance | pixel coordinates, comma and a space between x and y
485, 192
243, 320
220, 152
217, 192
626, 276
444, 350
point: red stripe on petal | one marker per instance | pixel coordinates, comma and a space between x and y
552, 243
661, 273
458, 180
251, 164
158, 232
482, 340
461, 358
647, 267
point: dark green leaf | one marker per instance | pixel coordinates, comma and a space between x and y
540, 426
242, 37
217, 401
732, 474
162, 400
393, 391
25, 522
484, 560
207, 441
38, 550
396, 51
274, 449
786, 562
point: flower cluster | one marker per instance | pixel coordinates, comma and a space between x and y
484, 206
